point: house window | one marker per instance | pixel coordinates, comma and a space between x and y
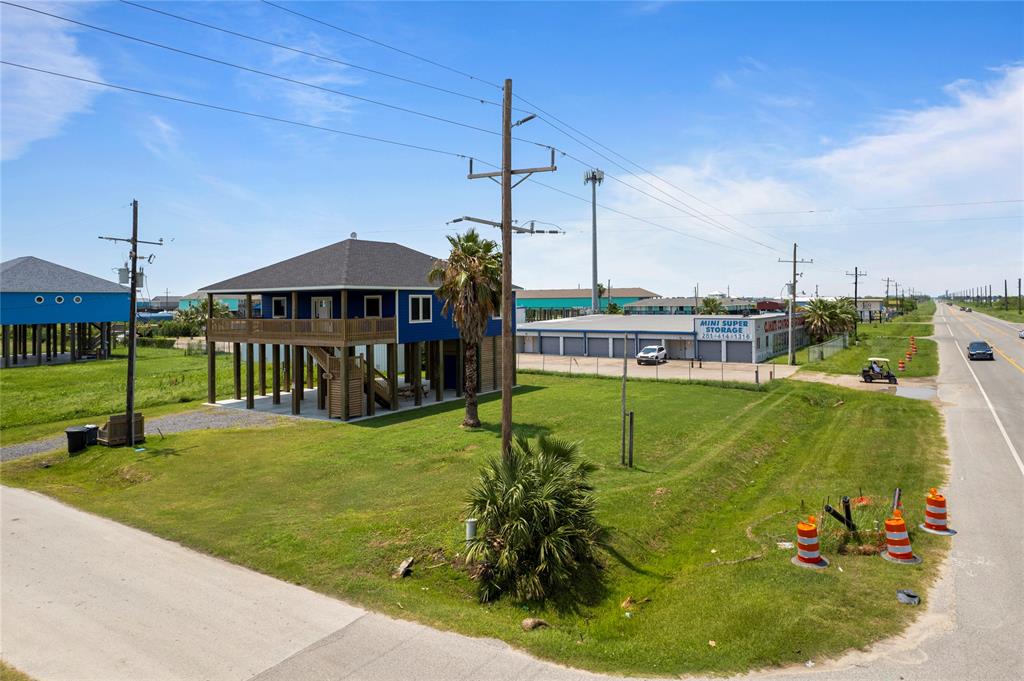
59, 299
419, 309
279, 308
39, 300
371, 306
77, 299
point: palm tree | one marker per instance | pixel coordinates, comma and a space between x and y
711, 306
469, 283
538, 524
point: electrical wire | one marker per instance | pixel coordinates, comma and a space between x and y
240, 67
241, 112
315, 55
383, 44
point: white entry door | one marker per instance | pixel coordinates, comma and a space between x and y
322, 307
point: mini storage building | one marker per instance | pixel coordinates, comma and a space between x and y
730, 338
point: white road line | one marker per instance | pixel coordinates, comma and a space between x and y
999, 423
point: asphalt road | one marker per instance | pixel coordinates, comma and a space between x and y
86, 598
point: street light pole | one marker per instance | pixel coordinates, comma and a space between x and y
594, 177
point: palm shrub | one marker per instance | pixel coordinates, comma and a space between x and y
711, 306
536, 517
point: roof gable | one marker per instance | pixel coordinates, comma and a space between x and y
347, 264
29, 274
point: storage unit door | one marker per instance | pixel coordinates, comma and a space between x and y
677, 348
549, 345
617, 344
739, 351
573, 346
710, 351
644, 342
597, 346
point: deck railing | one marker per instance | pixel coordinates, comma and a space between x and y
326, 332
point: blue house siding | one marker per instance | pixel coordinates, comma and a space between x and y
439, 327
21, 308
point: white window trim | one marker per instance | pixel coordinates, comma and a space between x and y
273, 301
430, 309
380, 307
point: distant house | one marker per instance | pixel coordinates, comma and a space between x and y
871, 308
234, 303
52, 312
350, 317
690, 305
565, 302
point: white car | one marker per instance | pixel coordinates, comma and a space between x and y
1021, 334
652, 354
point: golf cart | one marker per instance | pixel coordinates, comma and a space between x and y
877, 370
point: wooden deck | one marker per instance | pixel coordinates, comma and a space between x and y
321, 332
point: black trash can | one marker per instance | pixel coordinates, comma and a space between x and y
76, 439
92, 433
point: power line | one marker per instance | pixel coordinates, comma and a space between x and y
286, 79
696, 213
315, 55
240, 112
383, 44
855, 224
654, 224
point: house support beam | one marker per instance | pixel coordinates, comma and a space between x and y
393, 374
417, 374
344, 383
211, 355
439, 372
297, 388
73, 341
236, 363
321, 386
250, 361
371, 399
460, 370
263, 368
36, 349
275, 368
7, 357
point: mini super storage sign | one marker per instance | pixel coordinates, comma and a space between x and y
718, 328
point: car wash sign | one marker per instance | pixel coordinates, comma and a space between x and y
724, 329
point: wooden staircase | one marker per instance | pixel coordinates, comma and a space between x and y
381, 387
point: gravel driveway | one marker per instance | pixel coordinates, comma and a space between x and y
204, 418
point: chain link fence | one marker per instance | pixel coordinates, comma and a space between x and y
816, 353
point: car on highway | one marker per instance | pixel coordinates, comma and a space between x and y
652, 354
980, 350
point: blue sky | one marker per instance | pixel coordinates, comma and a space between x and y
762, 111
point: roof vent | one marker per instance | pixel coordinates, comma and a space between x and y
353, 235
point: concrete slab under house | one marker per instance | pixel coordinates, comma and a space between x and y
51, 314
711, 338
346, 330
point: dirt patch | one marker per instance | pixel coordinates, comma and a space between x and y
855, 382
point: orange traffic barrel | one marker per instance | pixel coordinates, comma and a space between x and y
902, 365
909, 356
897, 541
935, 520
808, 553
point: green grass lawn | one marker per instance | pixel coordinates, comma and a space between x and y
722, 475
41, 401
890, 339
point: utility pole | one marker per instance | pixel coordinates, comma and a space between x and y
888, 280
594, 177
133, 298
792, 302
696, 298
508, 357
856, 274
1006, 296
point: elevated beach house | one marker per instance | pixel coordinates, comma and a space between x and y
55, 314
355, 325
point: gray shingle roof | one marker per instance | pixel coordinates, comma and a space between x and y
350, 263
543, 293
29, 274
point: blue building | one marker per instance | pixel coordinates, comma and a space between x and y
54, 313
346, 320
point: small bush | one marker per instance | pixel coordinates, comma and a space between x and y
155, 342
536, 516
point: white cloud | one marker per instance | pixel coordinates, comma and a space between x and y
38, 106
161, 138
970, 148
